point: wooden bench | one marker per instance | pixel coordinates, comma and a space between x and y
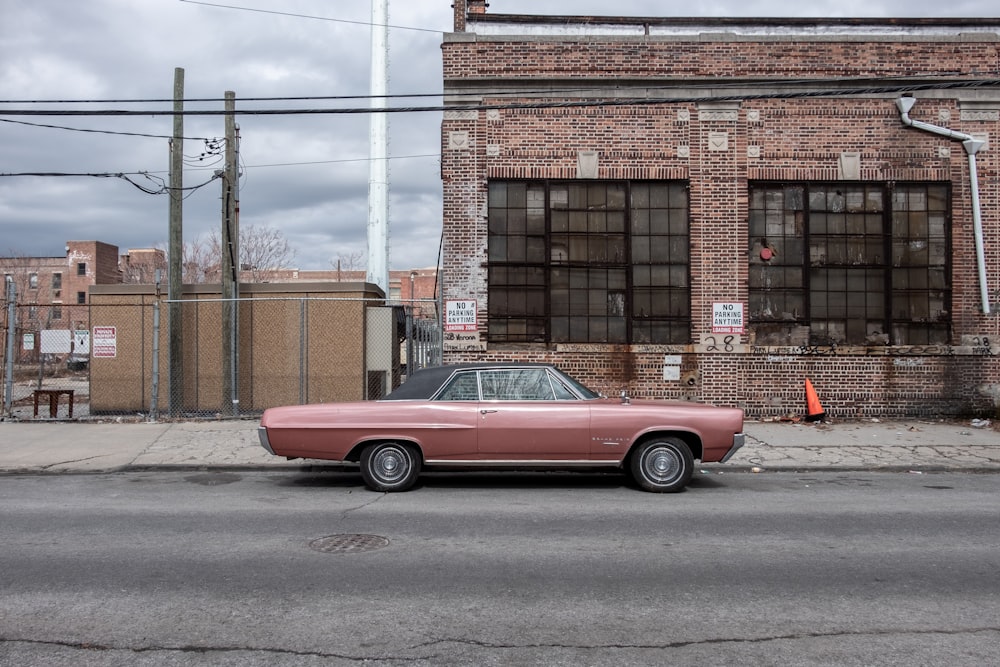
53, 395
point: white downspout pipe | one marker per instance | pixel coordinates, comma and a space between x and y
972, 146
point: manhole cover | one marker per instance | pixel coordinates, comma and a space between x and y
348, 543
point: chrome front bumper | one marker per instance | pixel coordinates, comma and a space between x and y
738, 441
264, 442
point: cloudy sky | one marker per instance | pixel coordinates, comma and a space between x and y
306, 175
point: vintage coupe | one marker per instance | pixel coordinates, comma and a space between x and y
505, 416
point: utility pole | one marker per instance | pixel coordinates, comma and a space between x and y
175, 283
230, 263
10, 294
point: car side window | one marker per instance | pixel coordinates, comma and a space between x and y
517, 384
562, 392
462, 387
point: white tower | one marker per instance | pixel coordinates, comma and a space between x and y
378, 175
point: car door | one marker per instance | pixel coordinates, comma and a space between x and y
521, 418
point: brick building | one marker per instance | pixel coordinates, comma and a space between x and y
721, 208
53, 292
411, 287
416, 288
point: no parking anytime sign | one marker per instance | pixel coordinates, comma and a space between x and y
460, 315
727, 318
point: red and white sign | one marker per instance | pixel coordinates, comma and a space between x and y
727, 318
104, 343
460, 316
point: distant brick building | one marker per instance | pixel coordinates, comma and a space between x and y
53, 292
139, 266
720, 208
416, 288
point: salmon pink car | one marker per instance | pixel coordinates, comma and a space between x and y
505, 416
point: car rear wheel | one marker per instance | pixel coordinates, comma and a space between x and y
663, 465
390, 466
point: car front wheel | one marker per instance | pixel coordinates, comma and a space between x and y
663, 465
390, 466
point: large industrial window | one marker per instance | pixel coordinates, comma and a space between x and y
588, 262
859, 264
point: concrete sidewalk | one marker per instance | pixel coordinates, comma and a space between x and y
62, 447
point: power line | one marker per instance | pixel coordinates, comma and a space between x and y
163, 189
341, 161
714, 85
616, 102
307, 16
285, 98
84, 129
243, 166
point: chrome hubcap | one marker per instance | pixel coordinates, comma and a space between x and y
390, 464
662, 464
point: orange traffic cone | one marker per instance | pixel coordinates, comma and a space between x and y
814, 411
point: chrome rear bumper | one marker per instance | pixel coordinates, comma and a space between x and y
738, 441
264, 442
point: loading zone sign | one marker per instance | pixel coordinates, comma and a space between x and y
727, 318
460, 315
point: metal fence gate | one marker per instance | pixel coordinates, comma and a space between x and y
288, 350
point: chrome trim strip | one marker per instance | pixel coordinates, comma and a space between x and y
264, 442
738, 441
513, 463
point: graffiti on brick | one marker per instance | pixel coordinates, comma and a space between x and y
720, 343
976, 346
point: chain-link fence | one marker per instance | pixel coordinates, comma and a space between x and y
220, 359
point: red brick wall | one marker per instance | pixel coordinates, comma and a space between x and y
768, 139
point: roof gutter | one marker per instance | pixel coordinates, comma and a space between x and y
972, 146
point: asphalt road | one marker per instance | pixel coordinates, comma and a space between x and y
223, 568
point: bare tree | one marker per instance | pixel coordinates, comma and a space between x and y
140, 266
24, 273
352, 261
263, 250
201, 262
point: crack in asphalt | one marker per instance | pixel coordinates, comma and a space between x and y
362, 506
88, 646
720, 640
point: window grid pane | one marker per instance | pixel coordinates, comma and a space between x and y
562, 256
856, 263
